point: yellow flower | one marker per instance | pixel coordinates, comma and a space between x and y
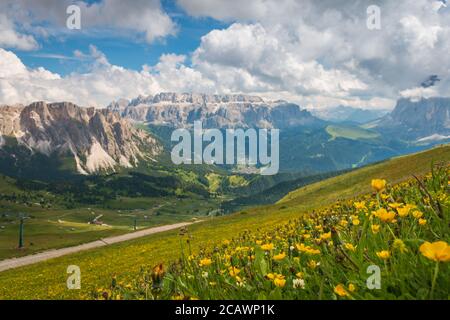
403, 212
375, 228
258, 242
436, 251
384, 254
325, 236
384, 196
307, 249
350, 247
279, 282
270, 276
226, 242
299, 274
343, 223
378, 184
417, 214
410, 206
384, 215
234, 271
360, 205
340, 290
205, 262
313, 264
399, 245
312, 251
395, 205
279, 257
351, 287
422, 222
355, 221
267, 246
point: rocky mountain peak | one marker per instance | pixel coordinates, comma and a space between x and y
96, 139
421, 119
215, 111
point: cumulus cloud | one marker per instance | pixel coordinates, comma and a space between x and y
142, 15
11, 38
48, 17
314, 53
260, 62
324, 49
103, 82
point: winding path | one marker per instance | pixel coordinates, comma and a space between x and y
54, 253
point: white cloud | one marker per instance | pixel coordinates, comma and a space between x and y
144, 19
248, 58
11, 38
313, 53
419, 92
323, 50
142, 15
417, 35
103, 83
10, 65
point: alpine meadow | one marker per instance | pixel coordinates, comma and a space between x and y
234, 159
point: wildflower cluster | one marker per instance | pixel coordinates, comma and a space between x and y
402, 229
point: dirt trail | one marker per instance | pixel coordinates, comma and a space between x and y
54, 253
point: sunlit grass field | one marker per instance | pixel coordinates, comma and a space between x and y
391, 244
125, 261
57, 228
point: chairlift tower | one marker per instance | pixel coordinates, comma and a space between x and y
22, 218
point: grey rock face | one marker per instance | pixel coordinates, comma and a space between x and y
97, 139
424, 119
215, 111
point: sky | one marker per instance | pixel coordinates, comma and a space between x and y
318, 54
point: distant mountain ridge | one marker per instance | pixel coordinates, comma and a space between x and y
348, 114
96, 139
416, 120
215, 111
306, 141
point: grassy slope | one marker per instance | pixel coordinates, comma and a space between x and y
351, 132
44, 231
48, 279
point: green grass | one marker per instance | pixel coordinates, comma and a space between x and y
323, 255
351, 132
355, 183
237, 181
219, 182
214, 181
57, 228
48, 279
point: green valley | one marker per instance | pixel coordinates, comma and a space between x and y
124, 260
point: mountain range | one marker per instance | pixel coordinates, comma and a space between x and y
215, 111
345, 114
423, 120
130, 132
93, 139
340, 138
